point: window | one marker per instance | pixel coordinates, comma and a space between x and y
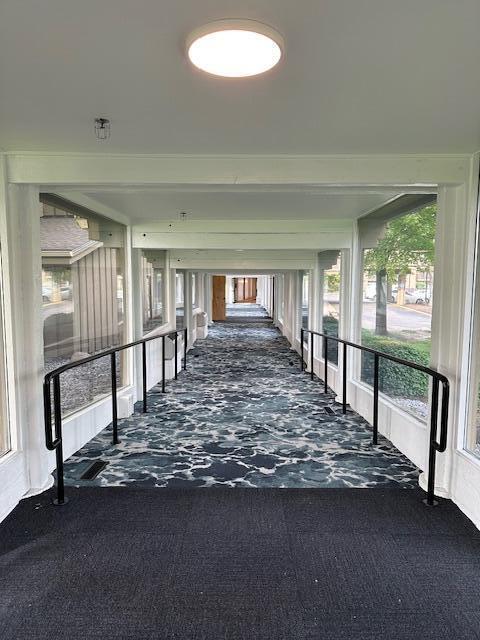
83, 300
179, 299
331, 307
153, 281
472, 442
4, 423
305, 301
398, 276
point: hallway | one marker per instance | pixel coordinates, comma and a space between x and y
243, 415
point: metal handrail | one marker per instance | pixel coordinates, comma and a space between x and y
437, 378
56, 443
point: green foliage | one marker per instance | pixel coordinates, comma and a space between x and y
409, 241
395, 379
333, 281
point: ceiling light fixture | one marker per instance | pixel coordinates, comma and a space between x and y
235, 48
102, 128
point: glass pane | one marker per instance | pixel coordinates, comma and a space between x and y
398, 280
83, 304
331, 307
473, 432
152, 296
179, 299
4, 424
476, 422
305, 294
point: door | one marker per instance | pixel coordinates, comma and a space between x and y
245, 289
218, 298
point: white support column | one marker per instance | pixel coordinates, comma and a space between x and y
208, 296
229, 290
200, 280
170, 293
188, 306
447, 315
25, 266
137, 314
278, 299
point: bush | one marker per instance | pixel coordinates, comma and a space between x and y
396, 379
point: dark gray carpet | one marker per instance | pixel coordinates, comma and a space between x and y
363, 564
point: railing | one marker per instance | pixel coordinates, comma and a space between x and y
437, 380
56, 443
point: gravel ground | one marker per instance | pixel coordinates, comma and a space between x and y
418, 407
84, 384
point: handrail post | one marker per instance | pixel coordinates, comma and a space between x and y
302, 337
185, 340
325, 364
57, 412
432, 450
375, 399
144, 375
176, 356
312, 350
47, 413
163, 364
344, 383
113, 361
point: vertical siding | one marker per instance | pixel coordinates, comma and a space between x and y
95, 305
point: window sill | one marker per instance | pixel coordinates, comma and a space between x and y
93, 405
388, 402
160, 329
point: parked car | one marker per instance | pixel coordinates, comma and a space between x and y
46, 294
66, 292
416, 296
413, 296
371, 293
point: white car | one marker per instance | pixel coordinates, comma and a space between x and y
371, 293
46, 294
416, 296
413, 296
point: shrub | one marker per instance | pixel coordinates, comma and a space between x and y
396, 379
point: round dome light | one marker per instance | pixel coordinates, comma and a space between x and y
235, 48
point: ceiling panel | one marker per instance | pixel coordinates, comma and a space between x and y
150, 205
381, 76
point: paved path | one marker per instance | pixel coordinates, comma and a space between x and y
244, 415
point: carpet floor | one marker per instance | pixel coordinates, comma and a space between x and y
243, 415
239, 564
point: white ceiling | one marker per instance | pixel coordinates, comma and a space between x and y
278, 203
371, 76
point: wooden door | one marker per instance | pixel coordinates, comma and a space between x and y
218, 298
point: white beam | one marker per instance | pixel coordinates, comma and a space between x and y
374, 170
266, 241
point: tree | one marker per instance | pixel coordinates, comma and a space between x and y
409, 241
333, 281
